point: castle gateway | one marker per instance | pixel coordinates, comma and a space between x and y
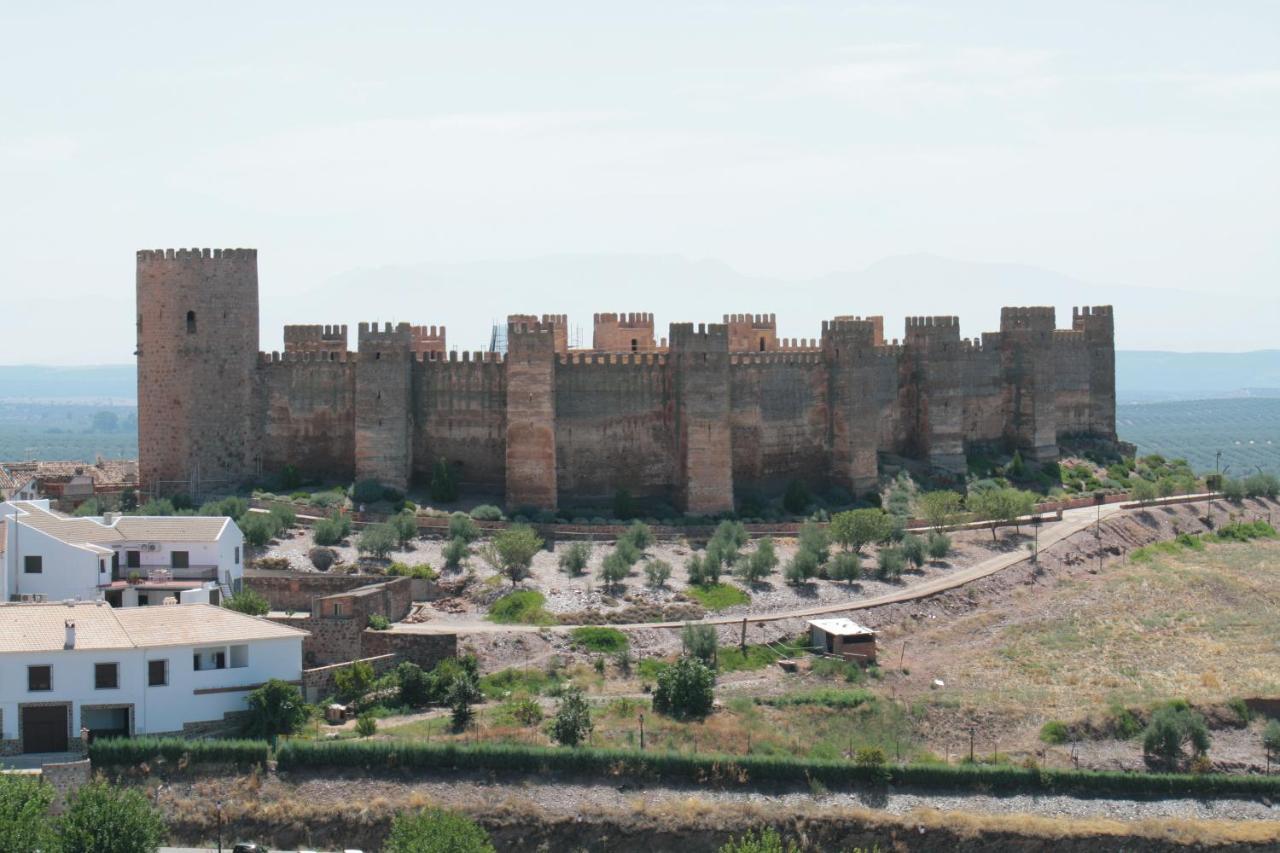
693, 418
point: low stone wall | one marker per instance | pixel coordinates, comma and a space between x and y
66, 778
318, 682
426, 650
297, 590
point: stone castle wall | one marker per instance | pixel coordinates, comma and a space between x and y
712, 412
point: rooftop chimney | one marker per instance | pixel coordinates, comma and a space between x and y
71, 634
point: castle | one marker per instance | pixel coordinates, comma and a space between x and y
711, 410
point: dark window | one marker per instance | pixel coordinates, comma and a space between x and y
102, 565
237, 555
191, 322
106, 676
157, 673
33, 565
133, 559
180, 560
635, 345
762, 345
142, 600
115, 562
39, 678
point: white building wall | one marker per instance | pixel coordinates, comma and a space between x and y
68, 571
73, 679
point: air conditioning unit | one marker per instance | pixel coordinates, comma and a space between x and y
40, 597
26, 597
150, 546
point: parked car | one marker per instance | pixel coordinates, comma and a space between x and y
249, 847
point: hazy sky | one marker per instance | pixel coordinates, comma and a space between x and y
1134, 143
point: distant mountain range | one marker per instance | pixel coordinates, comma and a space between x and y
1140, 377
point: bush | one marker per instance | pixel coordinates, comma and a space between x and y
1054, 732
718, 596
486, 512
102, 818
596, 638
405, 526
414, 685
1000, 506
511, 551
802, 566
890, 563
367, 492
941, 509
366, 724
24, 813
1143, 491
814, 539
378, 622
1271, 738
796, 498
521, 607
456, 552
525, 711
913, 550
639, 535
331, 530
377, 539
436, 831
1172, 727
572, 723
657, 573
858, 528
703, 569
573, 562
1262, 485
845, 566
444, 484
275, 708
420, 571
614, 568
322, 558
462, 527
462, 693
284, 515
685, 689
259, 528
132, 751
938, 546
699, 641
354, 681
249, 602
759, 564
1234, 490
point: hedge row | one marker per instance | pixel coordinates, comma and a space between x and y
388, 755
119, 752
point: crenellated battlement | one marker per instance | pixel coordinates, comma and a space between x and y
306, 357
315, 338
197, 254
1097, 320
1032, 318
799, 345
755, 321
703, 337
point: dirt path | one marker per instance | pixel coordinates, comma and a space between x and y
1073, 522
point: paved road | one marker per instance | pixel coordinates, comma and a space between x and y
1073, 522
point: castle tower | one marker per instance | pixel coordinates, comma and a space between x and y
752, 332
384, 411
197, 361
1026, 361
862, 378
328, 340
631, 332
934, 380
1098, 324
531, 414
700, 369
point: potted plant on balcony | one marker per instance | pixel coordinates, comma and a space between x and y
135, 576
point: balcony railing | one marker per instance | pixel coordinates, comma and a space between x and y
166, 574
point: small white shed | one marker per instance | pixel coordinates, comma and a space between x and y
845, 638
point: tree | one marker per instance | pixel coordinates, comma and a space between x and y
768, 841
414, 685
366, 724
102, 818
405, 525
331, 530
1233, 490
639, 535
685, 689
703, 569
657, 573
573, 562
938, 545
456, 552
699, 641
614, 569
377, 539
797, 498
857, 528
24, 813
759, 563
259, 528
461, 526
890, 563
322, 558
511, 551
436, 831
275, 708
572, 723
1000, 506
249, 602
1173, 727
444, 485
1144, 491
941, 508
463, 692
845, 566
129, 499
802, 566
367, 491
913, 550
354, 681
1271, 739
814, 539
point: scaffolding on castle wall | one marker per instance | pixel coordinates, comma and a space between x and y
498, 338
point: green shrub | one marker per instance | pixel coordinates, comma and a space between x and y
572, 722
639, 535
825, 697
889, 563
1262, 485
597, 638
378, 622
760, 563
1234, 490
275, 708
941, 509
521, 607
1055, 732
849, 670
352, 682
702, 569
684, 689
377, 539
456, 552
1173, 727
366, 724
249, 602
367, 492
436, 831
486, 512
24, 813
699, 640
103, 818
614, 568
419, 571
526, 711
444, 483
814, 539
414, 684
802, 566
511, 551
845, 566
717, 596
405, 526
259, 528
938, 546
130, 752
284, 515
766, 841
913, 550
331, 530
1271, 738
858, 528
461, 526
322, 558
657, 573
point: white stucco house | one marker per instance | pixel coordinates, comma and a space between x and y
127, 560
18, 485
177, 669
